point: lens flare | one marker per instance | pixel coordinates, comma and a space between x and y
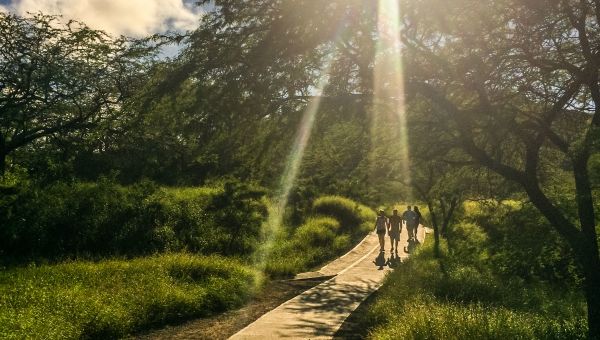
295, 158
273, 225
389, 127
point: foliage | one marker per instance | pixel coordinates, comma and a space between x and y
113, 298
517, 243
458, 297
351, 215
59, 78
104, 218
321, 237
507, 84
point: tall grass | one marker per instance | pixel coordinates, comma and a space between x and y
427, 318
309, 245
112, 298
353, 216
336, 224
459, 297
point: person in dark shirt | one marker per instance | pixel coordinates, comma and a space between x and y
394, 230
409, 218
418, 219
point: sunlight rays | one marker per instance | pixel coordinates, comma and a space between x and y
273, 225
294, 161
389, 125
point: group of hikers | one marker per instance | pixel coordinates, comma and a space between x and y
393, 226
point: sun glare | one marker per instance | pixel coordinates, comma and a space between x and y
389, 116
274, 222
389, 111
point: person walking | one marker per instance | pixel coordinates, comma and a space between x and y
409, 218
394, 230
418, 218
381, 226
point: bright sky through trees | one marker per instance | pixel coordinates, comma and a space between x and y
389, 87
389, 107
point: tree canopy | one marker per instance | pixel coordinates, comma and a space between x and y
61, 78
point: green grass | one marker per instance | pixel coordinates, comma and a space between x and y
426, 318
311, 244
428, 299
112, 298
352, 215
337, 224
115, 298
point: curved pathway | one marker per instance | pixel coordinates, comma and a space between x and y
320, 311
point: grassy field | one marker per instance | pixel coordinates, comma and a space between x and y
112, 298
427, 298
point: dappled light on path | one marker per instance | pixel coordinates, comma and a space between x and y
319, 312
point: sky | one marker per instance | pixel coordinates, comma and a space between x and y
136, 18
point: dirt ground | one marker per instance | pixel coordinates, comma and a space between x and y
224, 325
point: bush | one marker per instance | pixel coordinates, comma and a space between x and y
98, 219
460, 297
111, 299
350, 214
320, 237
317, 232
519, 242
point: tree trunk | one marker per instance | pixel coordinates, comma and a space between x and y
588, 249
3, 154
591, 270
583, 242
448, 217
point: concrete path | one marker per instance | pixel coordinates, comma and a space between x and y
320, 311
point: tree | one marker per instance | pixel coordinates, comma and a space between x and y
515, 84
440, 186
59, 78
253, 67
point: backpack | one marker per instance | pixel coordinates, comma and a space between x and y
380, 223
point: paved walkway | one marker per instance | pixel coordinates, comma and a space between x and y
320, 311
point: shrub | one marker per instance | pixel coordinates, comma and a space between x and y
350, 214
104, 218
320, 237
317, 232
519, 242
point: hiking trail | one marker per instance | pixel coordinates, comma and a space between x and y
320, 311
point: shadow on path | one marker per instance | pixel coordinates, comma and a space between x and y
320, 311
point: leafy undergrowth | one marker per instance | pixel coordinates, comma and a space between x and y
112, 298
75, 220
336, 225
451, 299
